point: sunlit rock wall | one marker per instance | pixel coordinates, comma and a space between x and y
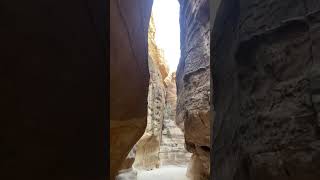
129, 76
148, 147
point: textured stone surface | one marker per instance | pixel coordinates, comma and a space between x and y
171, 96
126, 171
129, 76
172, 147
148, 147
265, 58
127, 163
193, 78
199, 164
156, 53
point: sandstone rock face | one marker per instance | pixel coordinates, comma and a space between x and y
172, 148
193, 82
148, 147
126, 171
171, 96
129, 76
156, 54
127, 163
266, 86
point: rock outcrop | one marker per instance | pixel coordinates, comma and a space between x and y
129, 76
266, 69
148, 147
127, 163
126, 171
193, 83
156, 53
172, 148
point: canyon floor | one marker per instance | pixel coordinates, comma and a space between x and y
164, 173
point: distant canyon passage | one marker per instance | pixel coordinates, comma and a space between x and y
174, 114
163, 142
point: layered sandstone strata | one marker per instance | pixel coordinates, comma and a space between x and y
193, 84
266, 90
129, 76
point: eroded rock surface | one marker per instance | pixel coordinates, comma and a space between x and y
266, 89
148, 147
127, 163
129, 76
172, 148
193, 80
156, 53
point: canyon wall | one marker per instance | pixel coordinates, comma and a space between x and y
148, 147
172, 147
129, 76
265, 57
193, 84
126, 172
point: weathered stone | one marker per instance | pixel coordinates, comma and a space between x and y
127, 163
172, 149
193, 80
156, 53
199, 166
148, 146
129, 76
265, 72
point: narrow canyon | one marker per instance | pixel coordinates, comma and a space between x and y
243, 103
174, 128
163, 143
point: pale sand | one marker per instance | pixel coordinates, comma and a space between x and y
164, 173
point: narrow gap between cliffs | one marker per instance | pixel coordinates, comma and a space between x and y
160, 153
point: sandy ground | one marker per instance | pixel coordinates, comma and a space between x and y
164, 173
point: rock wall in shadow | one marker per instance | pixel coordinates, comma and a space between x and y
265, 64
193, 83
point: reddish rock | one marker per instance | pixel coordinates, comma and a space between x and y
129, 76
